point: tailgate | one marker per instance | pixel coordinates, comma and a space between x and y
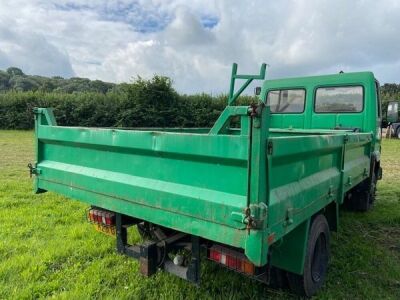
194, 183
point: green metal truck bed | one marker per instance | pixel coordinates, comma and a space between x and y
245, 189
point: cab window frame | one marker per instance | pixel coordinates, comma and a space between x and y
288, 89
339, 86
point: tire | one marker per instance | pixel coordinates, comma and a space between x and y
372, 189
316, 260
363, 196
398, 132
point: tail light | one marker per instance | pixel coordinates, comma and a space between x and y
232, 259
109, 219
215, 255
91, 215
103, 220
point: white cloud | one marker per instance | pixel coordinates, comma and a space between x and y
118, 40
30, 51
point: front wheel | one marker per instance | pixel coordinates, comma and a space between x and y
316, 260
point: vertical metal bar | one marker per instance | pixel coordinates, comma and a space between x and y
193, 272
43, 116
256, 248
232, 87
148, 258
122, 235
259, 136
37, 152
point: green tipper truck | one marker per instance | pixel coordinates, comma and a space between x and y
258, 193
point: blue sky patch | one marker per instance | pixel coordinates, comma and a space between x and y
209, 21
133, 14
140, 19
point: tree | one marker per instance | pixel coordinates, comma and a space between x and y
13, 71
4, 79
23, 84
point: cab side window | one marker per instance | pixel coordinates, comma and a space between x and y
339, 99
286, 101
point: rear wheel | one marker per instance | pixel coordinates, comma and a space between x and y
398, 132
316, 260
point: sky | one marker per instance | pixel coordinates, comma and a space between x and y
195, 42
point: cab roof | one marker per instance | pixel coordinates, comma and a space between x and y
312, 81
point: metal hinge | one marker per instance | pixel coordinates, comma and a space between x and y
33, 170
253, 216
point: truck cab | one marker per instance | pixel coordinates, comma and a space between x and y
343, 102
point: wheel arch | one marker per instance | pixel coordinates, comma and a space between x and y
289, 252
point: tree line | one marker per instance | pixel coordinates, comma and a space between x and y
142, 103
14, 79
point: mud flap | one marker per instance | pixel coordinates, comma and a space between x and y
289, 253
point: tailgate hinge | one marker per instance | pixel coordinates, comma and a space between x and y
33, 170
253, 216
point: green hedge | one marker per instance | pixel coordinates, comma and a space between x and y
144, 103
89, 109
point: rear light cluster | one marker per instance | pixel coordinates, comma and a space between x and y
103, 220
231, 259
102, 217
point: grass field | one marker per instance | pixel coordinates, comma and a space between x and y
48, 250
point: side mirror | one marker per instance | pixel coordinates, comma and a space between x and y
257, 90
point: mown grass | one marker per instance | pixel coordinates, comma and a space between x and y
48, 250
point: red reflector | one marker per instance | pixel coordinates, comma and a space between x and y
95, 216
102, 220
271, 238
110, 218
233, 260
99, 217
215, 255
